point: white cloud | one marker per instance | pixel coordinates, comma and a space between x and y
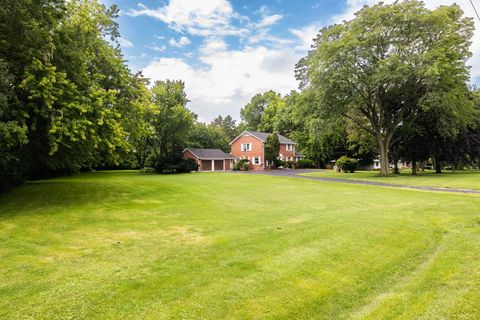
125, 43
201, 18
157, 48
229, 78
211, 45
263, 36
269, 20
260, 31
305, 36
183, 41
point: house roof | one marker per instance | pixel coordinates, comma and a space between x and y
209, 153
298, 153
262, 136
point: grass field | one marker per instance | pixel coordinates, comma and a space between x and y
121, 245
469, 179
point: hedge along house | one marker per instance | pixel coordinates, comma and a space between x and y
209, 159
251, 144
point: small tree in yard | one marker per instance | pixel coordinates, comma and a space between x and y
272, 148
347, 164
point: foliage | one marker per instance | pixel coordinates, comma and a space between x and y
320, 138
347, 164
68, 102
384, 68
291, 164
187, 165
272, 147
242, 165
13, 135
174, 163
280, 163
305, 164
260, 113
227, 125
208, 136
171, 122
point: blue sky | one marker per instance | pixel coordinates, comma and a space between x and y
227, 51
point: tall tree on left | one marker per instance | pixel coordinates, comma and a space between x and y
69, 87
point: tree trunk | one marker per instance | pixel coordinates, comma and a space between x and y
438, 166
384, 162
414, 167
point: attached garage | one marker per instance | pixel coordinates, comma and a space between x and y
209, 159
218, 165
206, 165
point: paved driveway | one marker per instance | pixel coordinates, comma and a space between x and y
295, 174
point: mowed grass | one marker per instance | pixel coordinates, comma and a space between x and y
468, 179
121, 245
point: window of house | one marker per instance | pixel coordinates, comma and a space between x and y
256, 160
289, 147
246, 147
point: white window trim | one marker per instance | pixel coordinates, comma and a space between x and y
244, 146
255, 160
289, 147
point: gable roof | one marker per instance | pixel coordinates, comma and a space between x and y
209, 153
262, 136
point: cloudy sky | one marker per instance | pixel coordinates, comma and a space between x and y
227, 51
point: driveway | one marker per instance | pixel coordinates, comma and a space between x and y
296, 174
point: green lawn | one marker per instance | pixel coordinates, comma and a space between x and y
121, 245
469, 179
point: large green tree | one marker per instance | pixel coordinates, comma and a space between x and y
171, 122
272, 148
391, 63
260, 112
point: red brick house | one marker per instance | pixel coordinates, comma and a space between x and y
250, 145
209, 159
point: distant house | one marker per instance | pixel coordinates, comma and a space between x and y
209, 159
251, 144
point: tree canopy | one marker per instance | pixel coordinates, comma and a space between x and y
389, 65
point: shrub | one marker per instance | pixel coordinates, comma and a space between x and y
242, 165
347, 164
305, 164
291, 164
279, 163
187, 165
174, 163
